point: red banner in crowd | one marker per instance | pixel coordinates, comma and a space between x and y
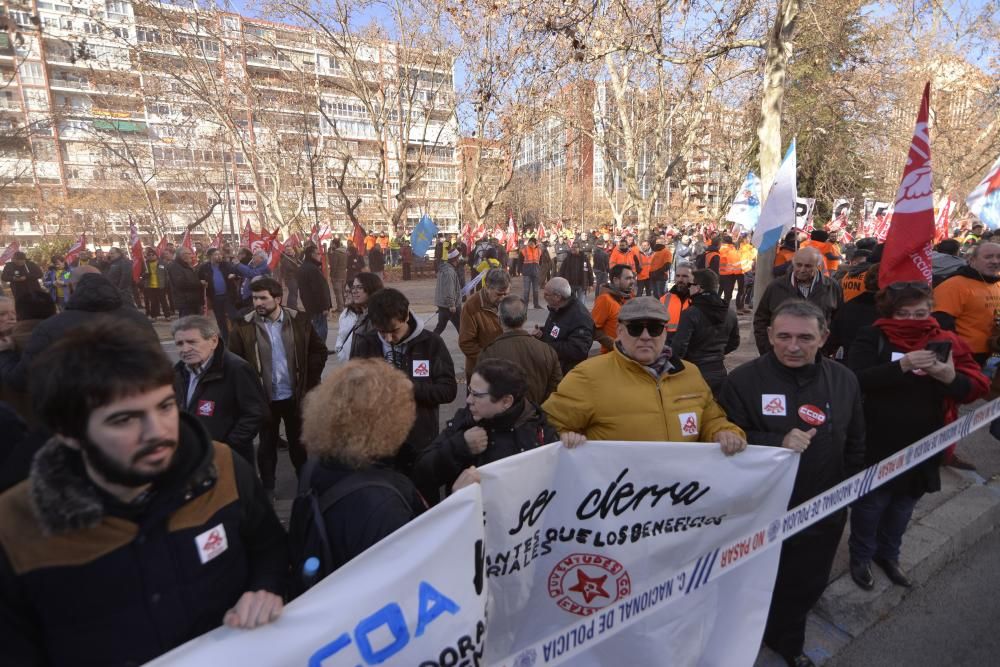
136, 244
9, 252
907, 254
75, 249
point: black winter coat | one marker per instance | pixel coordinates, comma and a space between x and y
425, 359
187, 289
520, 428
900, 408
570, 332
825, 293
576, 270
708, 330
120, 275
122, 584
314, 291
94, 297
765, 399
367, 515
851, 318
31, 271
228, 400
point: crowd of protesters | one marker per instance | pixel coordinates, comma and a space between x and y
139, 510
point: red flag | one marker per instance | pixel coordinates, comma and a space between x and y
9, 252
467, 234
907, 253
217, 241
247, 234
161, 247
293, 241
942, 227
511, 233
186, 241
136, 243
540, 232
275, 249
75, 249
359, 238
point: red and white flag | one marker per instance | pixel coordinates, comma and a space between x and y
161, 247
907, 253
75, 249
136, 244
467, 235
942, 226
540, 232
9, 252
186, 241
499, 234
217, 241
511, 233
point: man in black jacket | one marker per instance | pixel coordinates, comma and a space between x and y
314, 291
119, 274
186, 287
708, 330
806, 281
21, 275
498, 421
152, 535
217, 387
576, 270
794, 398
400, 339
569, 328
282, 347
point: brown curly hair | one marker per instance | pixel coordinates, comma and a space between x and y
360, 413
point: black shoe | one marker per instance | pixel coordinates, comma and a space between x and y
800, 660
892, 570
861, 573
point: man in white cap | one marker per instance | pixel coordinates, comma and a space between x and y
448, 293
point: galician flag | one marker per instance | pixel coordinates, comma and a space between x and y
423, 236
778, 214
745, 210
984, 201
907, 253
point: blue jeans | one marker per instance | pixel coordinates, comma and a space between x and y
530, 283
320, 325
878, 521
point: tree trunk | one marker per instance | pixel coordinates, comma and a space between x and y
779, 52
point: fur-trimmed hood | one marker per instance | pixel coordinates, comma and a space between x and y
64, 499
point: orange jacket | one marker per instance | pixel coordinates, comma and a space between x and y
783, 256
531, 255
605, 315
661, 258
674, 309
828, 251
629, 258
729, 260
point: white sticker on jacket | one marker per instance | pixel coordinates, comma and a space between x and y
421, 368
555, 331
211, 543
689, 423
774, 405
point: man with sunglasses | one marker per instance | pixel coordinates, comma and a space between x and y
639, 392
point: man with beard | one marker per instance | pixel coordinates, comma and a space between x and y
708, 330
609, 302
284, 350
135, 532
677, 298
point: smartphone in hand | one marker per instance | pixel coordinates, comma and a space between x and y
942, 348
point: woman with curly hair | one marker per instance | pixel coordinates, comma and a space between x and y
348, 437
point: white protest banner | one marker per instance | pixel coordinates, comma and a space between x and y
415, 598
585, 550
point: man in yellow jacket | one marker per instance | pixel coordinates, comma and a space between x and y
637, 392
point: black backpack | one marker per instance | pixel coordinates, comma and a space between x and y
307, 534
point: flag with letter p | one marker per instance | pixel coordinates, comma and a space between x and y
907, 253
423, 236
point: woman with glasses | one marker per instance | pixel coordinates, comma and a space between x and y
913, 375
354, 322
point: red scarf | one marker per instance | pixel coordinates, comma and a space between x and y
909, 335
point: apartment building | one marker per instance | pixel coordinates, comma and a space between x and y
116, 110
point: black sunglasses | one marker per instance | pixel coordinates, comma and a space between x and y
918, 285
635, 328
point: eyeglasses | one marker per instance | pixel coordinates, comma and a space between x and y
478, 394
635, 328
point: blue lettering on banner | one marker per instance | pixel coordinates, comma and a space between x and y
431, 604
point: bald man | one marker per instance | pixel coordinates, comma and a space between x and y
569, 328
806, 281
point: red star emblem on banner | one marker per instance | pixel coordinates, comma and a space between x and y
589, 587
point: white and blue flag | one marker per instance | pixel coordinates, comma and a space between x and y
745, 210
778, 213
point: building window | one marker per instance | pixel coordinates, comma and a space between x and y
116, 8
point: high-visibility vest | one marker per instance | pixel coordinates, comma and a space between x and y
710, 257
627, 258
531, 255
645, 262
852, 285
748, 255
674, 308
729, 261
783, 256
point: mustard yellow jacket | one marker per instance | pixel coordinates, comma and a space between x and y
611, 397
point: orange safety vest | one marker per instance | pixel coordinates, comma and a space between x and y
852, 286
729, 261
674, 309
618, 257
531, 255
645, 264
661, 258
711, 255
783, 256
